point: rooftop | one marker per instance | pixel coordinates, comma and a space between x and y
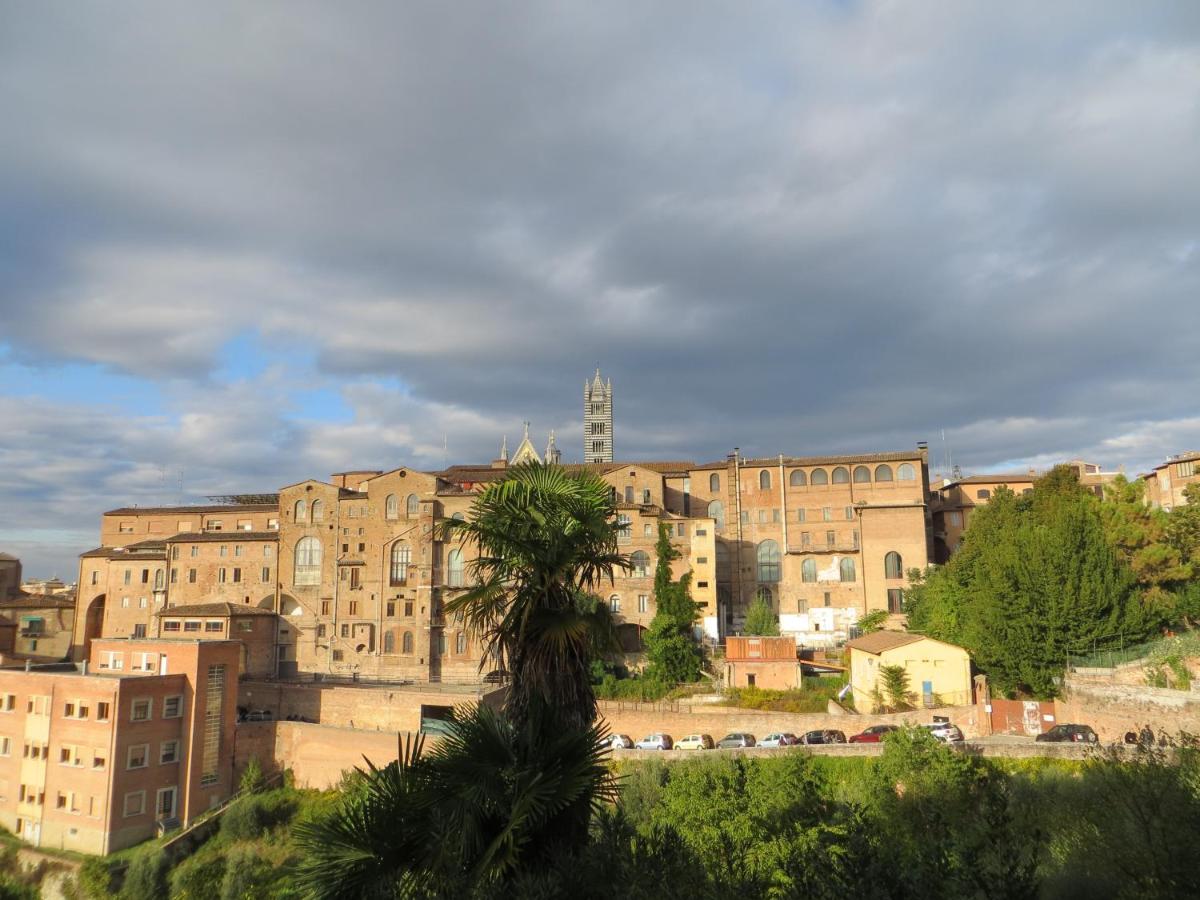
200, 537
225, 507
220, 608
880, 641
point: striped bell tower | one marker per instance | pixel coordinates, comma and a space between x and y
597, 420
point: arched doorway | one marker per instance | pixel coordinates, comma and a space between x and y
93, 625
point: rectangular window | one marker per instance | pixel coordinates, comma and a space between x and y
745, 517
355, 576
354, 607
266, 574
135, 803
213, 525
140, 710
628, 493
643, 603
799, 515
5, 746
337, 655
345, 630
775, 515
173, 706
408, 607
849, 513
324, 607
320, 631
214, 709
195, 551
191, 576
391, 608
681, 530
237, 549
221, 575
214, 627
805, 538
246, 625
168, 752
98, 760
828, 599
171, 625
827, 513
102, 711
266, 551
174, 575
128, 576
237, 575
8, 703
272, 524
145, 576
95, 577
762, 517
362, 548
895, 600
831, 538
138, 756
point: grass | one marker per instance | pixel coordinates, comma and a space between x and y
814, 697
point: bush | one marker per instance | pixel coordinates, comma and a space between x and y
250, 816
814, 697
146, 877
196, 876
246, 874
253, 780
95, 878
639, 689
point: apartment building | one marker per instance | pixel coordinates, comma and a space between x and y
101, 756
10, 576
43, 627
1166, 483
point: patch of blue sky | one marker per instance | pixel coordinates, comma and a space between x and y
81, 383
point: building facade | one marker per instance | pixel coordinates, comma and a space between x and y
101, 756
597, 421
10, 576
1165, 484
939, 674
351, 576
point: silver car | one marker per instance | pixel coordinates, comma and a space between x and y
656, 741
946, 732
620, 742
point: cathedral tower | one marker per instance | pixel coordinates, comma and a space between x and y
597, 421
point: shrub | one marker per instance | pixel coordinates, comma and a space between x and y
146, 877
246, 874
252, 777
196, 876
639, 689
95, 878
250, 816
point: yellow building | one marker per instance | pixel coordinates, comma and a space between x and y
939, 674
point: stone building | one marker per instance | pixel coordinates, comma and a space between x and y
1166, 483
355, 572
10, 576
42, 629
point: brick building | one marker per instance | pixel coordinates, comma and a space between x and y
1166, 483
98, 757
10, 576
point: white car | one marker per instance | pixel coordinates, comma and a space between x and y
656, 741
779, 739
620, 742
946, 732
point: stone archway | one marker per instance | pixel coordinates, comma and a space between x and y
93, 625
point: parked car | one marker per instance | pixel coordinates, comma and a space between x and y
1066, 734
695, 742
824, 736
872, 735
656, 741
735, 740
620, 742
946, 732
779, 739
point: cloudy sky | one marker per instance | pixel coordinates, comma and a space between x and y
245, 244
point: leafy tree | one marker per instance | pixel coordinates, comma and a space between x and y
252, 781
761, 619
894, 687
546, 540
1035, 582
873, 621
670, 646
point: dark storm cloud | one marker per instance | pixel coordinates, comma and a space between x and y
795, 228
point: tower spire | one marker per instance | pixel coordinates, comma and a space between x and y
598, 420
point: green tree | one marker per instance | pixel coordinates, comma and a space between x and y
1035, 582
894, 687
545, 542
252, 781
1140, 535
670, 646
873, 621
761, 619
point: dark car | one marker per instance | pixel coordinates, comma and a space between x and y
824, 736
735, 740
1069, 734
872, 735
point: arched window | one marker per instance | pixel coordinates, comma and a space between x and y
301, 514
716, 510
893, 566
308, 561
389, 642
459, 517
714, 482
818, 476
614, 603
391, 506
847, 569
906, 472
808, 570
414, 506
406, 643
454, 568
460, 643
883, 473
764, 594
401, 557
639, 564
797, 478
841, 476
768, 561
764, 480
862, 475
318, 511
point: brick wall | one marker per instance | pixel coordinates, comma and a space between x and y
317, 755
1112, 710
677, 720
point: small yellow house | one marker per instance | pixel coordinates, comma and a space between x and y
939, 674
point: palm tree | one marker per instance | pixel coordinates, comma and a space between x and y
481, 810
546, 540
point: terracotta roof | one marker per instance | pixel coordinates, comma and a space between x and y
199, 537
221, 608
151, 546
1185, 456
162, 510
999, 478
829, 460
37, 601
878, 641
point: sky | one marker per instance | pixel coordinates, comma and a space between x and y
246, 244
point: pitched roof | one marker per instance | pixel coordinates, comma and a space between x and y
999, 478
879, 641
200, 537
828, 460
220, 608
37, 601
162, 510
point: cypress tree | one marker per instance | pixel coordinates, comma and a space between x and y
670, 647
